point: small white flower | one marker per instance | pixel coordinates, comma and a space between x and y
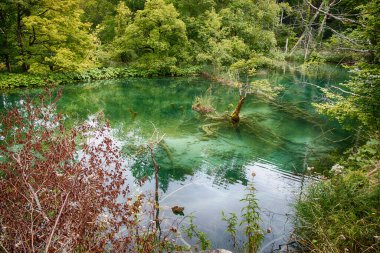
337, 169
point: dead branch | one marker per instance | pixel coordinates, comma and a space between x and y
342, 19
355, 50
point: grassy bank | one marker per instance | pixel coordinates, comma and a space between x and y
14, 80
342, 213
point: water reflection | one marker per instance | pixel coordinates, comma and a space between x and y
207, 175
203, 195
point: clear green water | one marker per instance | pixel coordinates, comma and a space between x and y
208, 175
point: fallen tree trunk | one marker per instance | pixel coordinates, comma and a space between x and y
235, 116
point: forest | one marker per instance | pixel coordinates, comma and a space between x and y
109, 104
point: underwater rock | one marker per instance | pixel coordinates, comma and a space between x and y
178, 210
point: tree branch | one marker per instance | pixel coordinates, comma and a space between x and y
355, 50
344, 91
56, 223
342, 19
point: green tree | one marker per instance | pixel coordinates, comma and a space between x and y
135, 5
8, 46
216, 49
60, 41
357, 102
156, 39
253, 21
122, 18
46, 35
192, 8
234, 31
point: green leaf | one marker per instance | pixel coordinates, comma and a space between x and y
16, 148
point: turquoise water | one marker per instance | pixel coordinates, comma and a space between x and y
209, 174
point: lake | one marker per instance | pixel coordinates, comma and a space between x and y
209, 174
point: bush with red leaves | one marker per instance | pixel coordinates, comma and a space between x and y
64, 190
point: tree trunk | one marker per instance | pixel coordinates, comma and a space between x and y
235, 116
5, 56
8, 63
19, 38
323, 22
307, 28
286, 45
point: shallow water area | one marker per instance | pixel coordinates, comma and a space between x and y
209, 174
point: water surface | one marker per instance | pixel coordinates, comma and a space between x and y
209, 174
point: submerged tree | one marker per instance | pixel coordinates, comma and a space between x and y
261, 89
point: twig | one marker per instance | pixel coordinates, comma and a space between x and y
34, 194
56, 223
2, 246
37, 201
344, 91
31, 228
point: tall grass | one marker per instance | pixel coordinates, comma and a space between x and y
341, 214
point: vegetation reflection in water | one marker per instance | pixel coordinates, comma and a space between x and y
208, 174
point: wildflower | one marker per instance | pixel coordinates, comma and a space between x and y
342, 237
337, 169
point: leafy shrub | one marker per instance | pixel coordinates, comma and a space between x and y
364, 157
250, 214
21, 80
11, 80
64, 190
312, 65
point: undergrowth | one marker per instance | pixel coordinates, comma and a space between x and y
14, 80
341, 214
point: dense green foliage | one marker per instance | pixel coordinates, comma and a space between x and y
156, 39
157, 36
341, 214
165, 36
43, 36
12, 80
